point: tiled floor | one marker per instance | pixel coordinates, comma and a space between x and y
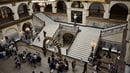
7, 65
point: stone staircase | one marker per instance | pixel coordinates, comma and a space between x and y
81, 48
50, 28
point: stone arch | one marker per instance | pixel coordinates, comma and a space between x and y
48, 8
25, 25
61, 7
23, 10
77, 4
27, 30
119, 11
6, 14
68, 38
96, 10
36, 7
56, 44
12, 33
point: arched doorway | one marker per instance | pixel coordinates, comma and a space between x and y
36, 7
48, 8
119, 11
27, 29
23, 10
68, 39
58, 45
78, 18
61, 7
77, 4
6, 15
96, 10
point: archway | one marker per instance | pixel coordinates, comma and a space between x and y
6, 15
23, 10
27, 29
68, 38
58, 45
119, 11
12, 34
61, 7
48, 8
78, 18
77, 4
36, 7
96, 10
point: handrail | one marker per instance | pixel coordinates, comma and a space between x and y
72, 23
78, 24
48, 16
115, 29
40, 30
14, 22
112, 41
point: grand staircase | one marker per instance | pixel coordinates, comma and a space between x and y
50, 29
81, 47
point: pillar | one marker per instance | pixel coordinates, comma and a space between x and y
86, 7
15, 10
84, 17
85, 12
54, 9
30, 8
127, 56
128, 16
68, 4
106, 11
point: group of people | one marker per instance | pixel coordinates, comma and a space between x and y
32, 58
35, 72
56, 63
8, 49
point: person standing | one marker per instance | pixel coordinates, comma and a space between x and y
85, 68
109, 52
33, 71
73, 65
44, 33
66, 65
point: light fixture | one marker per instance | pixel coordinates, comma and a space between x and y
27, 29
93, 44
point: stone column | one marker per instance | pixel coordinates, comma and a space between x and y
127, 56
68, 4
85, 12
128, 17
84, 17
30, 8
86, 7
54, 9
15, 10
106, 11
